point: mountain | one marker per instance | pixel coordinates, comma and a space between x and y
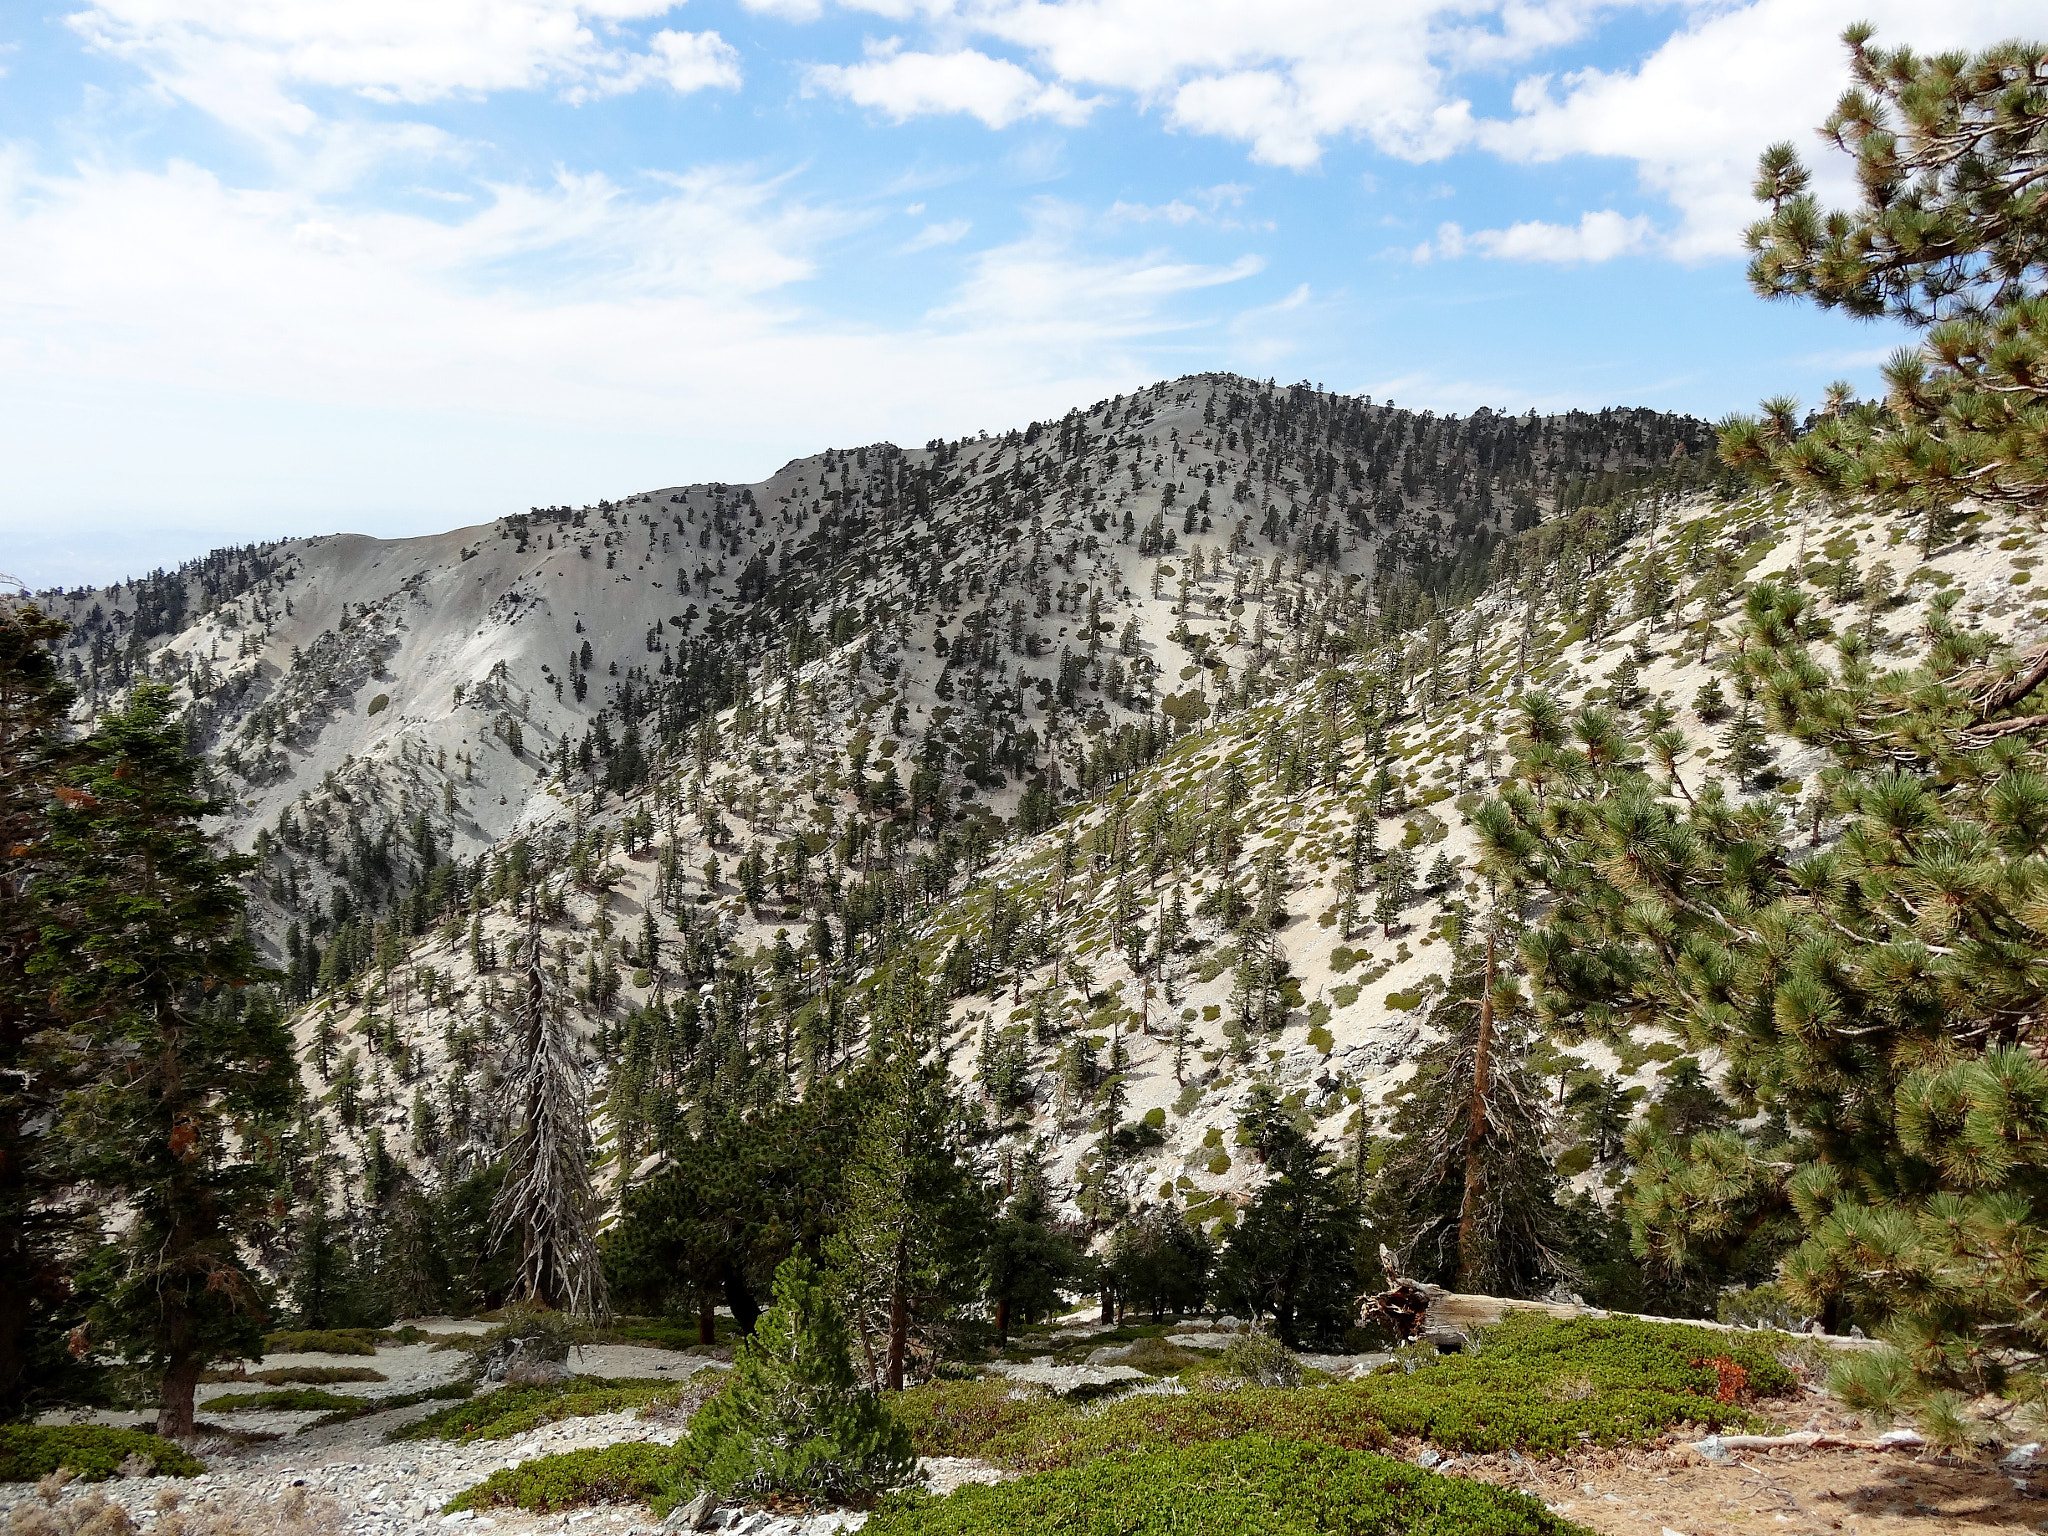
1010, 705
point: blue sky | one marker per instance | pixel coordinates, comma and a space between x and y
396, 265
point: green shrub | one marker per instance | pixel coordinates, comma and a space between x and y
972, 1418
93, 1451
285, 1400
1541, 1384
654, 1332
789, 1417
323, 1341
512, 1411
289, 1375
363, 1407
630, 1472
1760, 1306
1256, 1486
1536, 1384
1156, 1357
1031, 1431
1261, 1360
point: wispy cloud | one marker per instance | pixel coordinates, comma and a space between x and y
949, 233
1599, 236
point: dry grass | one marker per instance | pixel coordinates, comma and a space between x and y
92, 1513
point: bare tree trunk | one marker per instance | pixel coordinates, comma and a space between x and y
1475, 1131
899, 1323
175, 1412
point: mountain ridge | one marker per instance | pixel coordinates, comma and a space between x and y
575, 701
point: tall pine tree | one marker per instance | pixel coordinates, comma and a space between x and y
38, 1229
144, 952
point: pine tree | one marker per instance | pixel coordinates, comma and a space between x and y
37, 1230
1027, 1263
913, 1220
1465, 1195
1868, 995
790, 1418
1946, 239
1160, 1263
546, 1204
1396, 889
145, 956
1293, 1254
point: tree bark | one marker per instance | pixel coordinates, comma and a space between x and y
899, 1336
174, 1414
739, 1297
1475, 1132
1003, 1319
707, 1323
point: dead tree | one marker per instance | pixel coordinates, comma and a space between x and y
546, 1200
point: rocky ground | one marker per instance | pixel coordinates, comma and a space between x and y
361, 1484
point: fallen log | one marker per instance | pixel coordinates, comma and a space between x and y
1415, 1309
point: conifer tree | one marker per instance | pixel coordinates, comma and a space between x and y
546, 1205
790, 1417
913, 1220
144, 953
1946, 238
1869, 995
1465, 1194
1294, 1253
1028, 1263
37, 1230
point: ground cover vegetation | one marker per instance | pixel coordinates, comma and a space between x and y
1253, 1484
92, 1452
1534, 1385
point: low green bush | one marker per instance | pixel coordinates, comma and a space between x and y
324, 1341
289, 1375
1156, 1357
363, 1407
630, 1472
94, 1451
1262, 1360
1542, 1384
973, 1418
1534, 1385
284, 1400
512, 1411
1030, 1431
1254, 1486
656, 1332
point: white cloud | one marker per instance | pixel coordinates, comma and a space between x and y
1288, 78
787, 10
324, 362
1694, 114
1285, 77
952, 232
1043, 286
906, 85
1600, 236
248, 64
1203, 206
683, 61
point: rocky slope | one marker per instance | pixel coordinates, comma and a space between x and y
1012, 705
